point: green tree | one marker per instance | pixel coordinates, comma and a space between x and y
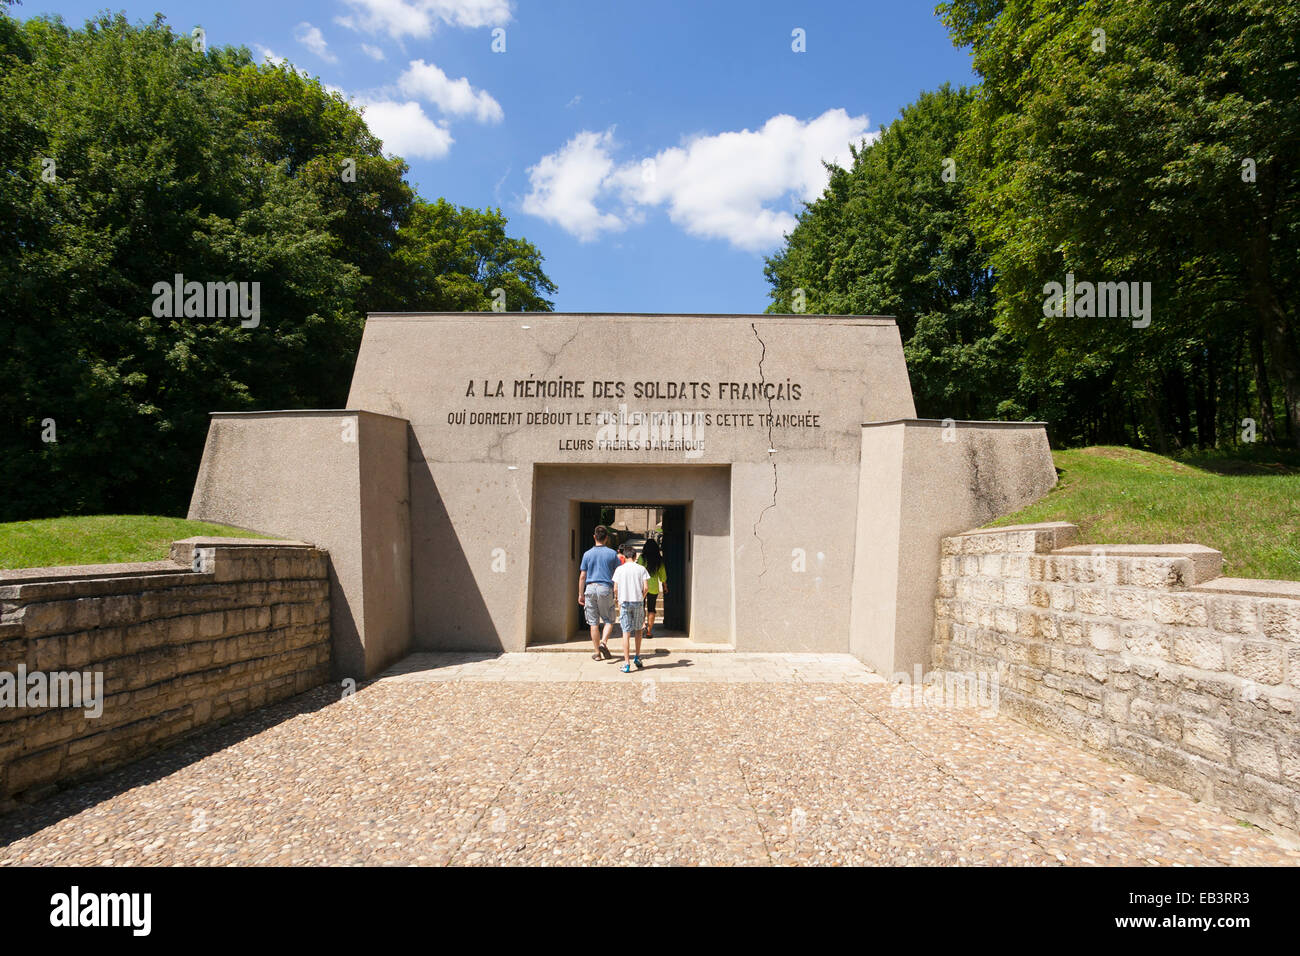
326, 145
1151, 141
148, 178
451, 258
130, 157
891, 236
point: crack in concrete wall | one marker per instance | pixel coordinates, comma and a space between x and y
762, 377
497, 446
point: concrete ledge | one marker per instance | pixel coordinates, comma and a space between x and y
919, 483
304, 413
1206, 562
1252, 587
953, 422
73, 571
538, 318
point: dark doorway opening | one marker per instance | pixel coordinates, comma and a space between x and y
634, 523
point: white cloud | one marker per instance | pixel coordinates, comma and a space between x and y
418, 18
269, 55
734, 185
372, 51
565, 185
406, 130
453, 97
311, 37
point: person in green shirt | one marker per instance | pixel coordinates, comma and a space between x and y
653, 561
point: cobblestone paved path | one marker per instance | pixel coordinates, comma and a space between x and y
555, 758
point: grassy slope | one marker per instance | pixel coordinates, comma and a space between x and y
100, 539
1247, 508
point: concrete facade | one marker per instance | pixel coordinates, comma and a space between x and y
920, 482
339, 480
752, 425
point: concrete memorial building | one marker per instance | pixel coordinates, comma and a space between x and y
802, 502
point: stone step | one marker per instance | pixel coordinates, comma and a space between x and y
653, 645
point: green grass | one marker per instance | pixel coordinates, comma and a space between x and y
1248, 507
100, 539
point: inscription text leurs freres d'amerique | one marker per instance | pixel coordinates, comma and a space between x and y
623, 428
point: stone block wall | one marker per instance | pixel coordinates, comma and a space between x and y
1140, 653
226, 626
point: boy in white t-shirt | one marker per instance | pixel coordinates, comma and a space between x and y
630, 583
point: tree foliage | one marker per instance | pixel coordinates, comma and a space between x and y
453, 258
1115, 141
126, 157
1151, 141
891, 235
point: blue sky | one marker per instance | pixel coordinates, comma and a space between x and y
653, 152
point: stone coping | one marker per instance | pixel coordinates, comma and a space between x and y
1252, 587
64, 572
536, 318
303, 413
1141, 550
940, 422
1041, 526
204, 542
183, 550
1206, 563
155, 573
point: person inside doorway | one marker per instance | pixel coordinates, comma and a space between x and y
630, 582
596, 591
653, 561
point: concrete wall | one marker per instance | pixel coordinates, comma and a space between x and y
878, 537
1139, 653
793, 489
641, 521
337, 479
386, 630
439, 530
922, 480
177, 651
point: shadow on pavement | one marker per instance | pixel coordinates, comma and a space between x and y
659, 667
68, 801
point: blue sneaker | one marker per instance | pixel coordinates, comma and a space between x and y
627, 668
637, 661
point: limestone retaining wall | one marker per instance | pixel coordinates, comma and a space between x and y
1141, 653
226, 626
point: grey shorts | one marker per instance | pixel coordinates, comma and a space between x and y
632, 618
598, 604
